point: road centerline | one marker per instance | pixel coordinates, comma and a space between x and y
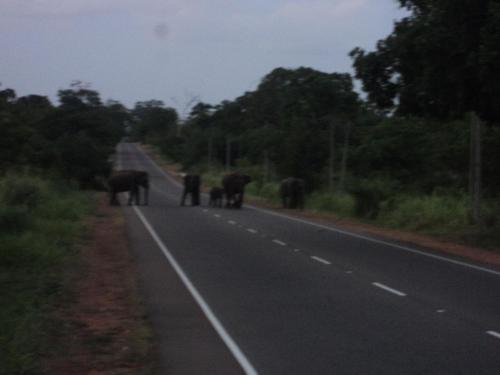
321, 260
281, 243
389, 289
494, 334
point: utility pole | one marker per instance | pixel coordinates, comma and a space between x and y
475, 167
228, 153
343, 166
331, 159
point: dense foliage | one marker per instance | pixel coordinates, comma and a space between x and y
439, 61
73, 140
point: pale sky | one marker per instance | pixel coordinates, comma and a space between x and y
177, 50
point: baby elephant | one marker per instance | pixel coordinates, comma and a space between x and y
216, 194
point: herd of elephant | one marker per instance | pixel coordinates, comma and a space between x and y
292, 190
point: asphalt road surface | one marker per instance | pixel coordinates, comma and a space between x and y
254, 291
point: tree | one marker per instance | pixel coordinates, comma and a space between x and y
439, 61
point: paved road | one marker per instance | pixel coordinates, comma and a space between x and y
291, 297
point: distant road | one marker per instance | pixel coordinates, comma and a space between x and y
291, 297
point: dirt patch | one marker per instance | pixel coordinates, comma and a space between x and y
446, 246
103, 328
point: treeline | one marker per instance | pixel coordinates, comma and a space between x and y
73, 141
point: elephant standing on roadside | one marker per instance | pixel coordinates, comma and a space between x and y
292, 192
234, 188
192, 184
216, 195
131, 181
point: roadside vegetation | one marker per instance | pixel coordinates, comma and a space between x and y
40, 223
52, 159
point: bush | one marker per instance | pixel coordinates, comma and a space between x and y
18, 190
270, 191
14, 219
370, 194
342, 204
431, 213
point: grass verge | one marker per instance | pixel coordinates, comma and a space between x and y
41, 221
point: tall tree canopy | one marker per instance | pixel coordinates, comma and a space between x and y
440, 61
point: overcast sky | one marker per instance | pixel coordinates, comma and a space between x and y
177, 50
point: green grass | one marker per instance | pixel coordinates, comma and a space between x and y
431, 213
44, 222
341, 204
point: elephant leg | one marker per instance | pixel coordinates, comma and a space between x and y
113, 200
196, 198
183, 199
146, 196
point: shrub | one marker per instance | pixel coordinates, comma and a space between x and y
431, 213
270, 191
14, 219
342, 204
18, 190
370, 194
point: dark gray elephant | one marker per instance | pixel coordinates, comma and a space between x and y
216, 195
130, 181
292, 192
192, 184
234, 188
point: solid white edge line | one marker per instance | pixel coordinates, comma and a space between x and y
321, 260
381, 242
219, 328
390, 290
494, 334
401, 247
279, 242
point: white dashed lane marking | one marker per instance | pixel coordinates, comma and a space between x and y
217, 215
494, 334
279, 242
321, 260
231, 222
390, 290
253, 231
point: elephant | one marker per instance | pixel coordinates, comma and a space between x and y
234, 188
192, 184
292, 192
216, 195
131, 181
